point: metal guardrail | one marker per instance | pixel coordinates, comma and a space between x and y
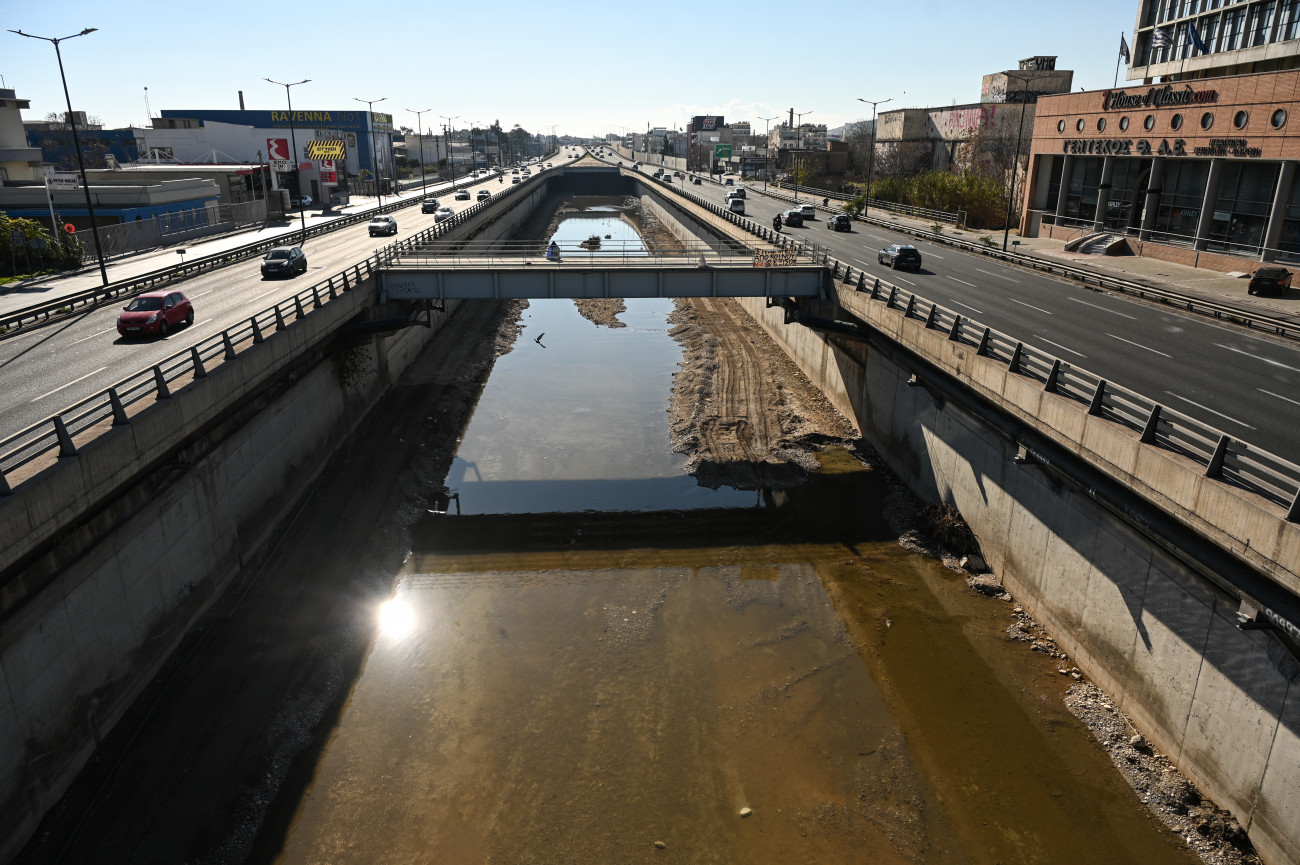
877, 204
18, 322
58, 432
1231, 460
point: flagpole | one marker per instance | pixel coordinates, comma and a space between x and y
1117, 59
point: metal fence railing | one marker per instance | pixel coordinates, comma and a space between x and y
954, 218
40, 314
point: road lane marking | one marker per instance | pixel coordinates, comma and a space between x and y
901, 279
1278, 396
963, 282
70, 384
968, 306
209, 291
1210, 410
1030, 305
93, 335
1058, 345
1277, 363
264, 294
998, 275
1103, 309
932, 255
1140, 345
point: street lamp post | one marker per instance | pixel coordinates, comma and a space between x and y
451, 163
799, 142
76, 144
871, 156
767, 147
293, 143
1015, 167
419, 132
374, 148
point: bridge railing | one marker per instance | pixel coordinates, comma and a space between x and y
1226, 458
605, 254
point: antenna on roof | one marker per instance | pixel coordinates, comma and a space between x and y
148, 113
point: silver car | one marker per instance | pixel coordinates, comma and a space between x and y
444, 212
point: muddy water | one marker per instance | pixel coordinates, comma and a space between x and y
590, 660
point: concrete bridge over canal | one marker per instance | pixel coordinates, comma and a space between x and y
1162, 553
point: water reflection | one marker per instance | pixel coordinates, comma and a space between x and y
582, 423
616, 234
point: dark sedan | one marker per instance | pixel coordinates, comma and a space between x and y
154, 312
284, 261
792, 219
839, 222
1269, 280
900, 255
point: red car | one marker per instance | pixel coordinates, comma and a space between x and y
155, 312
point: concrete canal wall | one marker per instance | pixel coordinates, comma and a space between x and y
1159, 637
124, 586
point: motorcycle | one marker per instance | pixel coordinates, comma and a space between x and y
776, 224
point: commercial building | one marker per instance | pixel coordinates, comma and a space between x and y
1198, 167
18, 160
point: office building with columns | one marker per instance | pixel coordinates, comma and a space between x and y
1196, 166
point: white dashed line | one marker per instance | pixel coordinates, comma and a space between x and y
901, 279
998, 275
264, 294
1103, 309
1061, 347
1031, 306
1276, 363
70, 384
1278, 396
1210, 410
968, 306
963, 282
93, 335
1139, 345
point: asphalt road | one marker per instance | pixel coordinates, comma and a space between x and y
1247, 387
50, 368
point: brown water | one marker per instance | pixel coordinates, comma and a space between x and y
597, 656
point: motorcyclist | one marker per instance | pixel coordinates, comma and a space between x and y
776, 222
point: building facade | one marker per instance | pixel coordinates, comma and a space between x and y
1197, 167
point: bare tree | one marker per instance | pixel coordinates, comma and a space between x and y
903, 158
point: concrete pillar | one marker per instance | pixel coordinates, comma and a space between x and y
1103, 192
1149, 207
1272, 234
1042, 182
1067, 165
1208, 201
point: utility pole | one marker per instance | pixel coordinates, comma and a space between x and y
1015, 166
451, 163
419, 132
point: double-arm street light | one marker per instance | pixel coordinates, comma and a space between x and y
374, 149
767, 146
1015, 165
419, 133
293, 143
451, 163
871, 156
76, 145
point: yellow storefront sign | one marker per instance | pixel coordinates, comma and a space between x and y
317, 150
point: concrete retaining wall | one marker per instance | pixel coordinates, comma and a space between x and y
75, 655
1223, 703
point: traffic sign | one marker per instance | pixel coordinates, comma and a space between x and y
722, 151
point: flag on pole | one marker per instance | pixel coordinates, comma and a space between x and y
1123, 49
1196, 39
1160, 39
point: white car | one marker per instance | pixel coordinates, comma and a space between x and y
443, 213
808, 211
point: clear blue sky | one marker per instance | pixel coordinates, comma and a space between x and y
587, 67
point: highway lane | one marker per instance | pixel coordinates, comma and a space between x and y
1245, 386
47, 369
